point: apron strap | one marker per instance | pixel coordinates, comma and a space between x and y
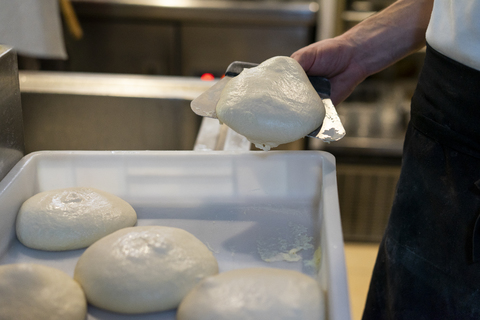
476, 234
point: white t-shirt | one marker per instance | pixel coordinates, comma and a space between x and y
454, 30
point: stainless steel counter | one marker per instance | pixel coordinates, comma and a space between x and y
81, 111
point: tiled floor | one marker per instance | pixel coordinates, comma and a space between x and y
360, 258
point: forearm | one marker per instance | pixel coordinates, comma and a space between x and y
389, 35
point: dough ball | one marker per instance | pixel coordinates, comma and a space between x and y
32, 291
254, 294
271, 104
71, 218
143, 269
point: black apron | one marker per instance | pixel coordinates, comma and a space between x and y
428, 262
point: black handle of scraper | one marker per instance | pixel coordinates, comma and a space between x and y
321, 84
236, 67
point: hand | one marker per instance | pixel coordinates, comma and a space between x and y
335, 60
369, 47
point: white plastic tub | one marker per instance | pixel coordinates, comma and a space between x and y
246, 207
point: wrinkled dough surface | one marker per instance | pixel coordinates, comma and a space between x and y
71, 218
31, 291
254, 294
271, 104
143, 269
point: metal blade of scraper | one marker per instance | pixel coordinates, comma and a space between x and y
331, 128
205, 104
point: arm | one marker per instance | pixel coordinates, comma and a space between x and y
369, 47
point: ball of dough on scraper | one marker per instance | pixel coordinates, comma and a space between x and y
255, 294
33, 291
271, 104
143, 269
71, 218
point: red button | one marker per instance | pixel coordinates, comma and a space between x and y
207, 77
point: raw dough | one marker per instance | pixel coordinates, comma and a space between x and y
71, 218
143, 269
32, 291
271, 104
255, 294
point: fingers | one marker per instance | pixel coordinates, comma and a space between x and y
305, 57
333, 59
326, 58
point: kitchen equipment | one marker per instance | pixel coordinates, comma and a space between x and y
330, 130
185, 38
89, 111
244, 206
11, 124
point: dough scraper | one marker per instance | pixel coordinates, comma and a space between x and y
330, 130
